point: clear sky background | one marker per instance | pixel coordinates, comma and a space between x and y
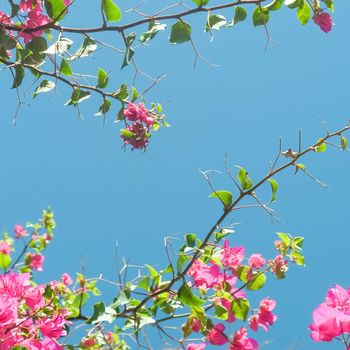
101, 194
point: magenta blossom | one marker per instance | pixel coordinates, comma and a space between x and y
240, 341
20, 231
324, 21
35, 261
216, 335
256, 261
66, 279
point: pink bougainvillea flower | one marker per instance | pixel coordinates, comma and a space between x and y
20, 231
5, 19
324, 21
216, 335
199, 346
240, 341
279, 265
88, 343
14, 285
256, 261
339, 298
195, 325
205, 276
231, 257
35, 261
35, 19
50, 344
264, 317
5, 248
66, 279
328, 323
53, 326
139, 138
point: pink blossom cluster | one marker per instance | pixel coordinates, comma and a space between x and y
32, 12
332, 318
221, 279
27, 319
142, 120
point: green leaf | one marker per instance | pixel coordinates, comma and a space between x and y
343, 142
55, 9
297, 243
224, 196
240, 14
304, 13
77, 97
182, 259
134, 93
297, 257
65, 68
153, 28
320, 146
220, 312
242, 272
104, 108
111, 11
274, 187
180, 32
99, 309
201, 2
219, 235
294, 3
126, 133
284, 238
144, 283
102, 78
45, 86
129, 53
215, 22
122, 93
5, 261
19, 75
274, 5
257, 282
260, 16
240, 308
186, 296
59, 47
329, 4
243, 178
86, 49
190, 240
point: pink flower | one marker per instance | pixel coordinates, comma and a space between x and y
199, 346
232, 257
328, 323
324, 21
216, 335
14, 285
264, 317
279, 245
35, 261
240, 341
138, 113
279, 266
139, 138
20, 231
35, 19
195, 325
5, 19
66, 279
339, 298
52, 327
34, 297
205, 276
227, 305
256, 261
88, 343
5, 248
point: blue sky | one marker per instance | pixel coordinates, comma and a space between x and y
101, 194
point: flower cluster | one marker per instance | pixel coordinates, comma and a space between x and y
28, 319
332, 318
217, 281
138, 133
